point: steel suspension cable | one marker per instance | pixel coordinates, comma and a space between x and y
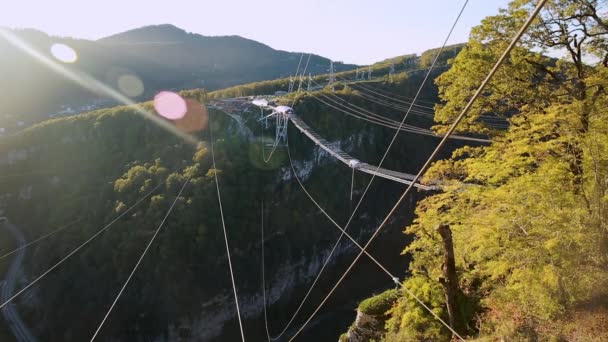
385, 101
396, 96
219, 200
374, 120
413, 111
362, 249
264, 277
66, 226
389, 123
143, 254
82, 245
276, 143
492, 122
497, 120
374, 176
303, 72
392, 98
362, 111
465, 110
280, 334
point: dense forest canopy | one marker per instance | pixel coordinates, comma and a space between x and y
528, 213
95, 166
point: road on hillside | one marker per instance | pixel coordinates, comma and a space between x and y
9, 312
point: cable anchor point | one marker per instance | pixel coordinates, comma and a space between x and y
397, 282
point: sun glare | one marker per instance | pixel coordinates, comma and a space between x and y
64, 53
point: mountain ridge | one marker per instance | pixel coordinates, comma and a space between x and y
166, 57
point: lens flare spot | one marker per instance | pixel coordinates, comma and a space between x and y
130, 85
64, 53
196, 118
170, 105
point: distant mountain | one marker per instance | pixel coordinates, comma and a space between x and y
161, 56
165, 32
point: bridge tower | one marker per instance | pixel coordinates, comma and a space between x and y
369, 72
309, 85
282, 121
391, 71
291, 83
300, 83
332, 76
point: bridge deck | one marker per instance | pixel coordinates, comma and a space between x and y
337, 153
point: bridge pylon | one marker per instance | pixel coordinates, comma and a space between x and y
309, 85
291, 84
332, 75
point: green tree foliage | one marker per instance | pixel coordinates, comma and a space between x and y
380, 304
107, 160
448, 52
528, 212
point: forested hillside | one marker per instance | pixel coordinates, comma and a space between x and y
161, 57
527, 214
511, 244
403, 66
94, 166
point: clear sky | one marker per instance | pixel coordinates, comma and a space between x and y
353, 31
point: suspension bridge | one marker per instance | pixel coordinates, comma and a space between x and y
284, 115
345, 158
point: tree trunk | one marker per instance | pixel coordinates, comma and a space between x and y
450, 279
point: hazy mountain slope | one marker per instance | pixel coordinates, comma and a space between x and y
162, 57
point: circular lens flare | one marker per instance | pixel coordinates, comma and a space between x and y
170, 105
130, 85
64, 53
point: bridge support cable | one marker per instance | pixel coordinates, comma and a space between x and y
276, 143
264, 275
377, 119
274, 147
363, 114
82, 245
366, 91
219, 200
378, 116
352, 162
487, 119
434, 154
371, 180
352, 185
305, 298
141, 258
64, 227
393, 97
302, 74
363, 251
420, 112
369, 92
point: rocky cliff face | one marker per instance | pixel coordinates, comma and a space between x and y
186, 295
366, 328
371, 318
218, 311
